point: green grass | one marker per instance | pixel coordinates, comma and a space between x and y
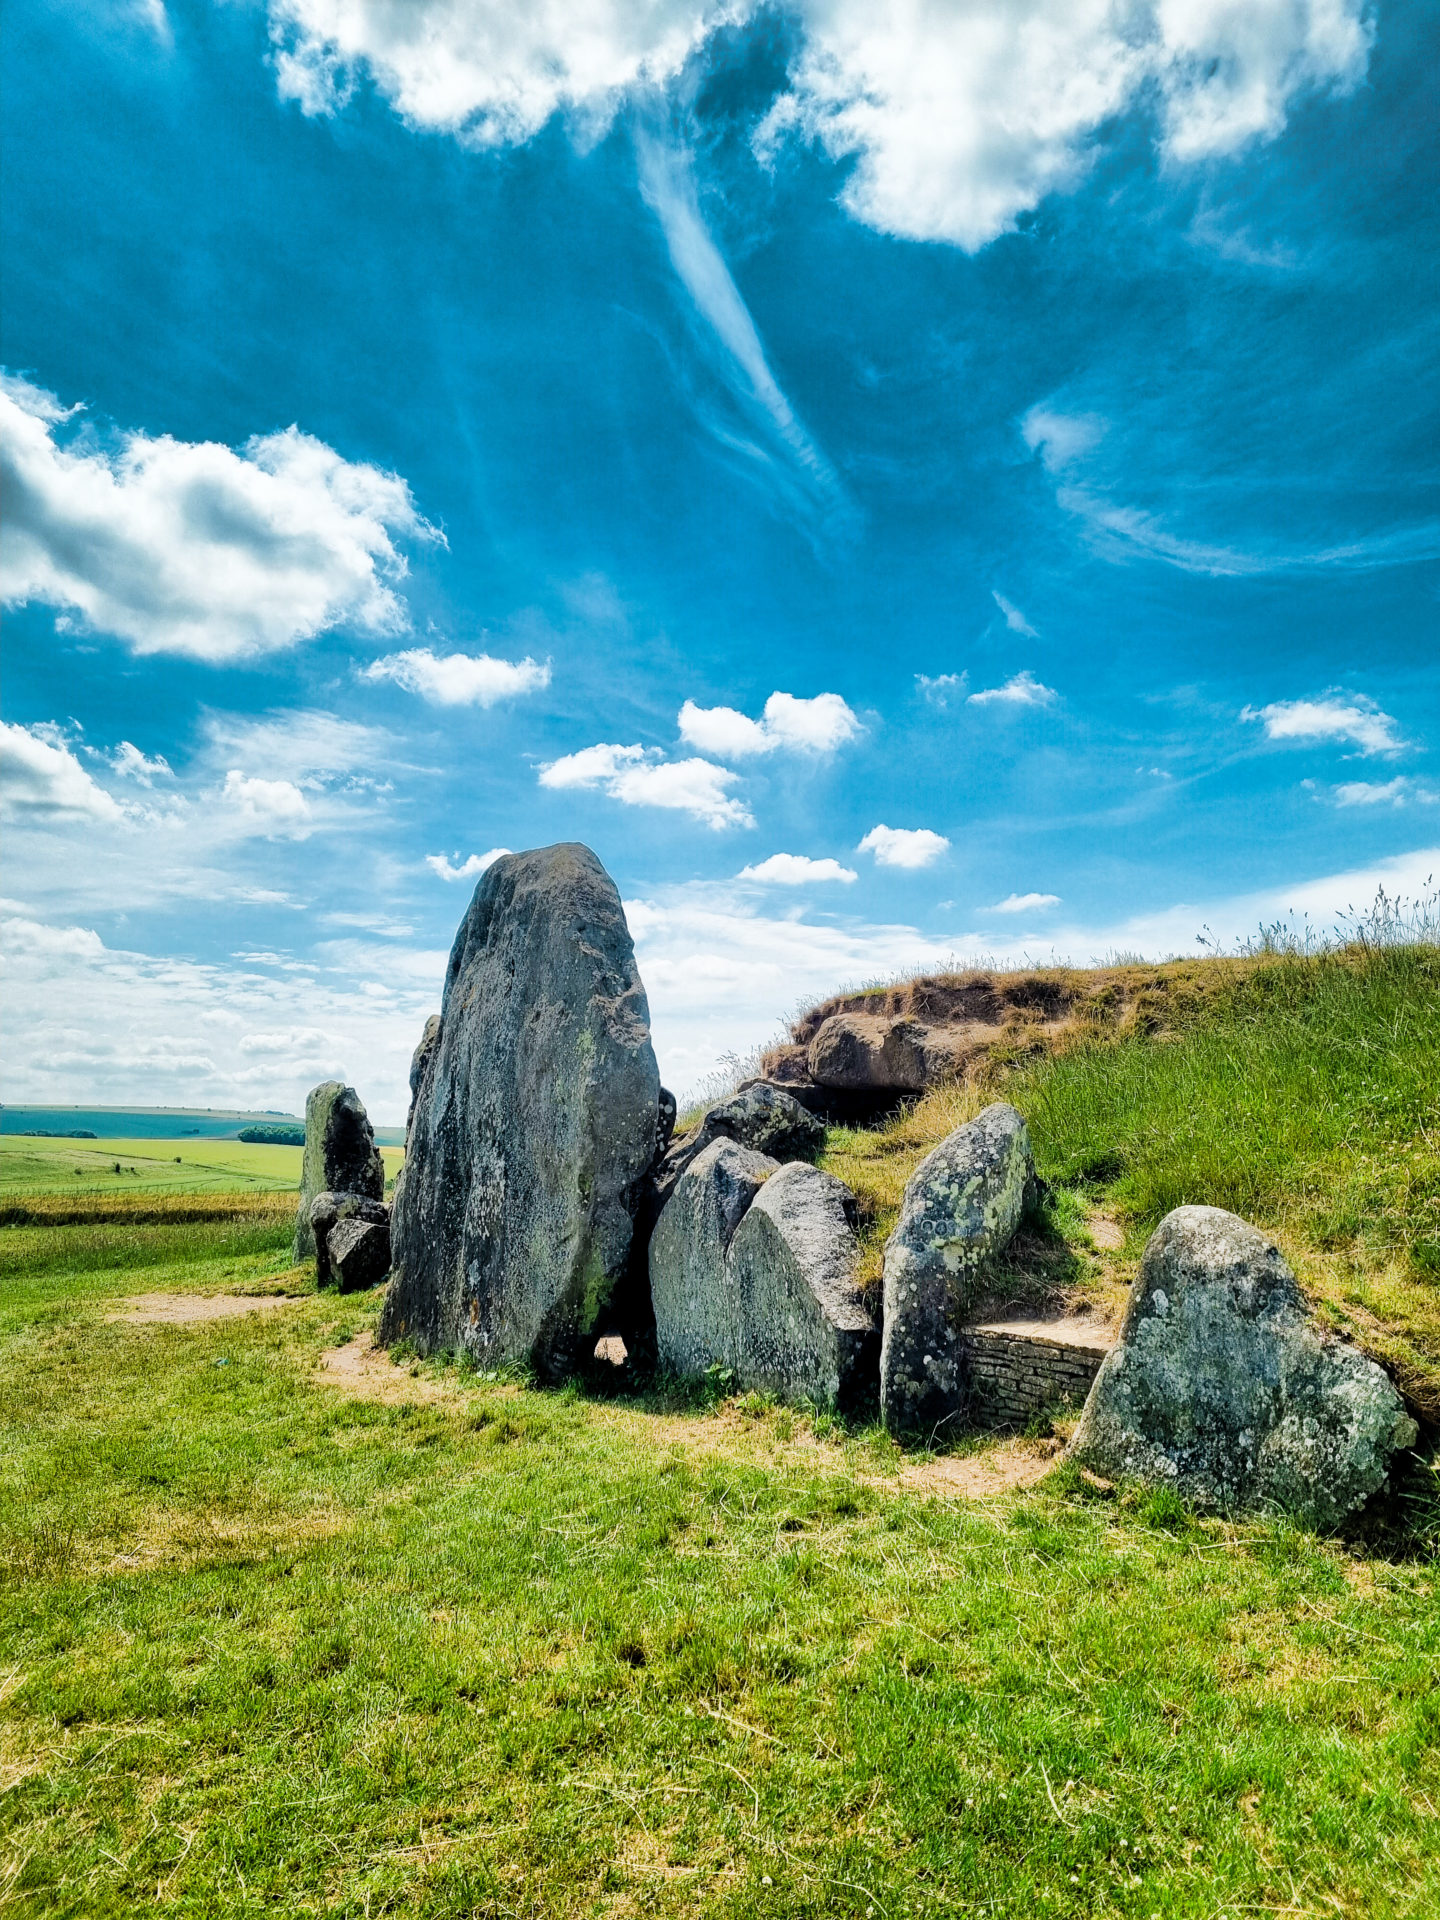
36, 1165
438, 1645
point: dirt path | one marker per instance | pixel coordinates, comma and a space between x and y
189, 1309
366, 1372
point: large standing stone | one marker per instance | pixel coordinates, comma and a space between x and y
340, 1155
961, 1208
805, 1330
534, 1121
1222, 1386
697, 1324
419, 1060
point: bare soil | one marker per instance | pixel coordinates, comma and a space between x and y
190, 1309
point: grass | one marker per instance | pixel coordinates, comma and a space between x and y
1302, 1091
34, 1165
416, 1642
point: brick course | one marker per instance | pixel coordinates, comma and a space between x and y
1014, 1373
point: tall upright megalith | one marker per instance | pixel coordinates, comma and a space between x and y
340, 1155
534, 1121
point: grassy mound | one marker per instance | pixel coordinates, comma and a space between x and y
1302, 1091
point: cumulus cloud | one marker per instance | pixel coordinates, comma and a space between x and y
468, 869
1021, 690
941, 688
959, 117
41, 779
796, 870
1398, 792
131, 764
194, 548
1024, 903
819, 725
1014, 619
274, 808
459, 679
1346, 718
963, 117
904, 846
638, 778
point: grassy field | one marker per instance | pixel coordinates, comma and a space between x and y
34, 1165
286, 1628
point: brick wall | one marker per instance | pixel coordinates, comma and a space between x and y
1013, 1375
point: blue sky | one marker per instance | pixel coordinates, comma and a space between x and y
898, 483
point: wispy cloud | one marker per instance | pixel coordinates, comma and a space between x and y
1014, 619
818, 725
1346, 718
941, 688
784, 449
1020, 690
1398, 792
904, 846
797, 870
459, 679
638, 777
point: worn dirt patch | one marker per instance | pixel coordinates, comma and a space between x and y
1107, 1234
978, 1476
189, 1309
367, 1372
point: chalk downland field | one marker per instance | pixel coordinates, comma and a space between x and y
290, 1627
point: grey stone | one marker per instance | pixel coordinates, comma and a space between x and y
760, 1116
665, 1118
419, 1060
696, 1319
1223, 1387
961, 1208
805, 1330
340, 1155
326, 1209
535, 1122
882, 1054
359, 1252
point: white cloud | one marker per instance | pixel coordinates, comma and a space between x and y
488, 71
1061, 438
468, 869
942, 688
796, 870
459, 679
904, 846
1342, 717
40, 778
963, 117
131, 764
640, 779
1014, 619
1021, 690
820, 725
193, 548
1398, 792
314, 748
1024, 903
960, 117
273, 808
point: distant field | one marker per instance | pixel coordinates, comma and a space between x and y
34, 1166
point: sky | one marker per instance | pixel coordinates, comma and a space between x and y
905, 483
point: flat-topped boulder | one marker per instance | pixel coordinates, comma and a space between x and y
535, 1119
358, 1253
340, 1156
961, 1207
1222, 1386
327, 1210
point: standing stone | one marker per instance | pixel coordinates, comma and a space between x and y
697, 1323
1222, 1386
961, 1208
340, 1155
805, 1330
419, 1060
534, 1122
761, 1117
